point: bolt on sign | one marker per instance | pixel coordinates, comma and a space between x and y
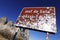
38, 18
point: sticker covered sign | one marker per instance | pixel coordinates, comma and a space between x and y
40, 18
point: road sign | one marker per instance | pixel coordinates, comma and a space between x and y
39, 18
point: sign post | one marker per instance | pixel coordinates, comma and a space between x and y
47, 36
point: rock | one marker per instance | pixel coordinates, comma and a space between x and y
8, 31
3, 20
9, 23
2, 38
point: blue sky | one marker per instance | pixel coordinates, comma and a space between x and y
12, 8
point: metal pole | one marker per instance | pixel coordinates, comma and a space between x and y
47, 36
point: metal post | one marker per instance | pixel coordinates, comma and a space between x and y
47, 36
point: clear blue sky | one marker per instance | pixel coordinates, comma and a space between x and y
12, 8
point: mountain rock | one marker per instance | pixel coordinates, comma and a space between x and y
8, 31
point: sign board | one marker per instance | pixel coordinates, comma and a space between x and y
39, 18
